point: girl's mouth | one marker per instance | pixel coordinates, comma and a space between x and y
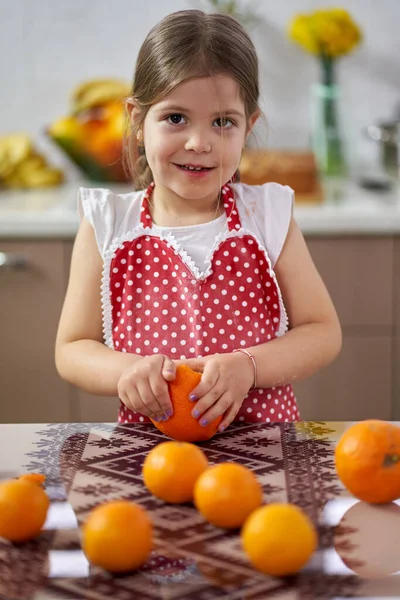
194, 171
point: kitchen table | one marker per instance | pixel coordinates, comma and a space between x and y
86, 464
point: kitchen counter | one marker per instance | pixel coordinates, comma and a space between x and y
52, 213
88, 464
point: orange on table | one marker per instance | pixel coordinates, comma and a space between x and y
367, 459
117, 536
23, 509
279, 539
226, 494
37, 478
182, 425
171, 469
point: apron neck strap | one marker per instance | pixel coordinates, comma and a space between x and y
232, 214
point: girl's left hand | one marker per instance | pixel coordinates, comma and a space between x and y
225, 382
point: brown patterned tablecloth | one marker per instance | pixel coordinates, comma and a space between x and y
86, 464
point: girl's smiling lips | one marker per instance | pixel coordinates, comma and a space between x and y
194, 170
191, 165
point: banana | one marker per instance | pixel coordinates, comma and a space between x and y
31, 165
6, 165
96, 92
22, 167
15, 148
84, 87
13, 181
34, 178
44, 178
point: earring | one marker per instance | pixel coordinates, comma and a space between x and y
140, 141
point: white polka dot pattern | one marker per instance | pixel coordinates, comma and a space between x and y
158, 306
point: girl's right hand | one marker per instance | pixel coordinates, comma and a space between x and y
143, 386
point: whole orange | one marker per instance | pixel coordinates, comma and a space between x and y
226, 494
279, 539
171, 469
182, 425
23, 509
367, 459
117, 536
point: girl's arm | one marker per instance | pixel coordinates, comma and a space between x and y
81, 357
314, 339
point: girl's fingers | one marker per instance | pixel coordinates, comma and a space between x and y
218, 407
168, 369
207, 401
159, 389
149, 400
229, 417
134, 403
208, 381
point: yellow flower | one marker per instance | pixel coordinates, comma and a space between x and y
330, 32
300, 32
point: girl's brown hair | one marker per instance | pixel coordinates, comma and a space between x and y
183, 45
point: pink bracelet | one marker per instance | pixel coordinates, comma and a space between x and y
253, 360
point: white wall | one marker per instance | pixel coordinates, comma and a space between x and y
48, 47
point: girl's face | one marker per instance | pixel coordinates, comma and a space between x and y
194, 137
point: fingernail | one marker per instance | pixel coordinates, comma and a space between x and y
169, 413
222, 428
195, 413
193, 397
156, 419
203, 422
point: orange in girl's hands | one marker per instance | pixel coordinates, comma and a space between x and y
117, 536
23, 509
182, 425
226, 494
367, 459
171, 469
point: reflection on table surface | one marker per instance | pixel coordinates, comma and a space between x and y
86, 464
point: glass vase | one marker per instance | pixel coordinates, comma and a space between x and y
327, 141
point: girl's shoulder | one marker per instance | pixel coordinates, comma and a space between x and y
100, 198
271, 195
266, 211
110, 213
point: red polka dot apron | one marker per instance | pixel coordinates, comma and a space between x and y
155, 301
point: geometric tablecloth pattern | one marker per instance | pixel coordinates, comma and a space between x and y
87, 464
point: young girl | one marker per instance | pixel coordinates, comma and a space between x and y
192, 267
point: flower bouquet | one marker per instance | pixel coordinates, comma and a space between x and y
329, 35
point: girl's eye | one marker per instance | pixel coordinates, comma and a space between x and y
224, 122
176, 119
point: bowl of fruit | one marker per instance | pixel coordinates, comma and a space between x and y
92, 134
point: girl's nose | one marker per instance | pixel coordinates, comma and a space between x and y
199, 142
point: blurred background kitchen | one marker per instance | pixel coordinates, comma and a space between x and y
330, 130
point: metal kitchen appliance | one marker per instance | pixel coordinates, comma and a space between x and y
387, 133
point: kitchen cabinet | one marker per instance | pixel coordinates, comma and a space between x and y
359, 271
357, 384
31, 296
359, 274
